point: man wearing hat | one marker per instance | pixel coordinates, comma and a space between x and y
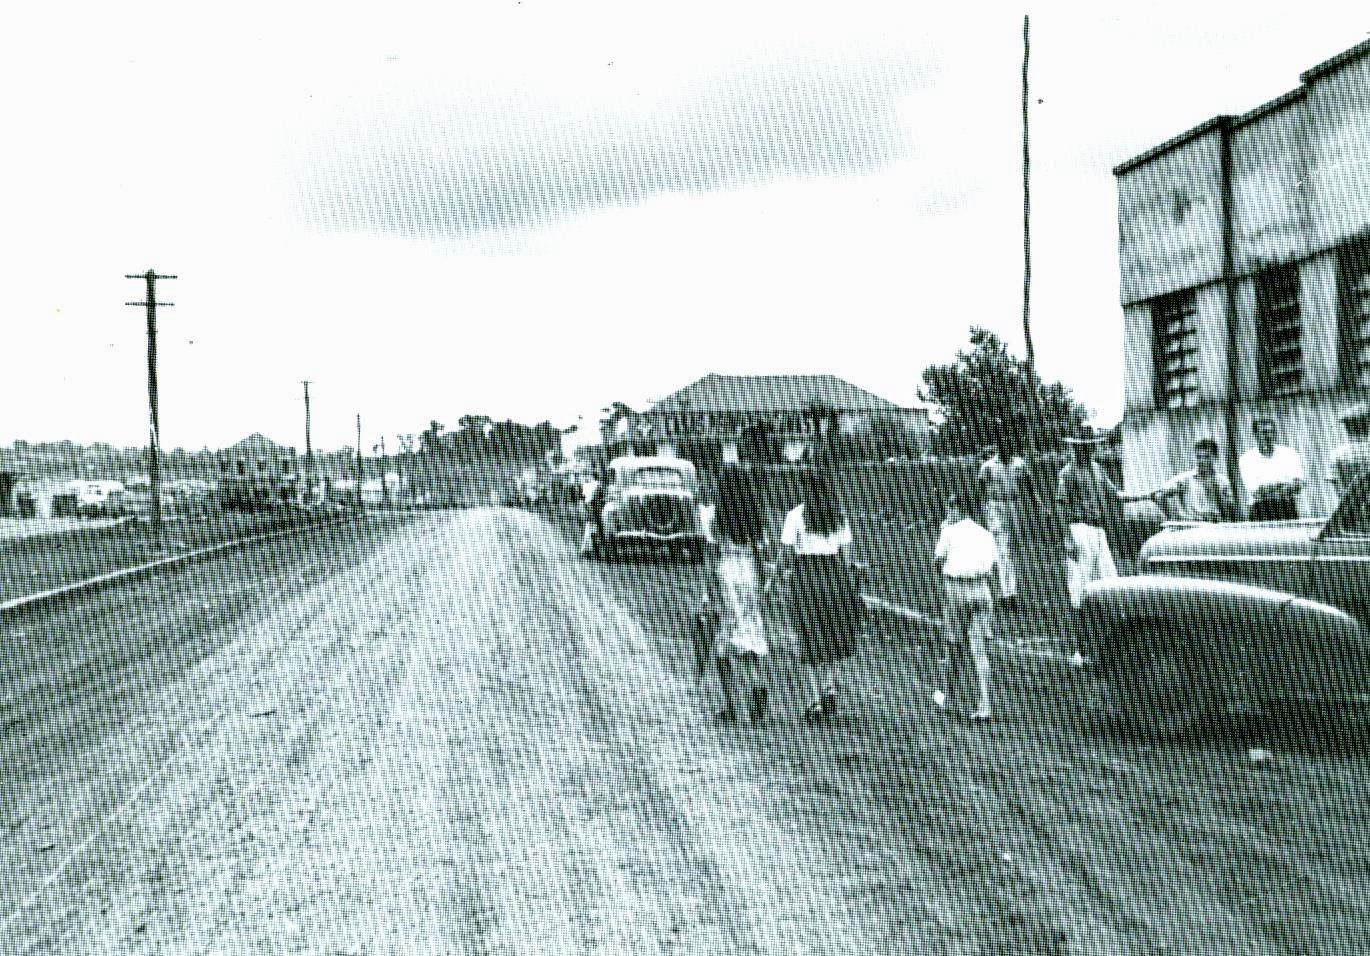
1086, 498
1273, 475
1352, 460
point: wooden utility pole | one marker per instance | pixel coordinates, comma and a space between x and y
1027, 223
308, 443
154, 419
359, 459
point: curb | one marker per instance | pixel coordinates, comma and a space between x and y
123, 574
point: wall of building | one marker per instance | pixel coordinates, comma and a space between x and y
1300, 175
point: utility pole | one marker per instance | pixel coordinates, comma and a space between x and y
308, 442
385, 485
359, 459
154, 424
1027, 221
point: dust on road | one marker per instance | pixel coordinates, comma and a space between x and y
472, 741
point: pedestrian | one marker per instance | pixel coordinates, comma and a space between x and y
1087, 498
1351, 460
1202, 493
735, 595
1005, 484
966, 554
1273, 475
825, 603
596, 493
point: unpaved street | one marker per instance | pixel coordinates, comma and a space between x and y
465, 739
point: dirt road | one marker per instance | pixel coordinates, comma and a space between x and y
465, 739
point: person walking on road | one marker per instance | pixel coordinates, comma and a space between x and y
1087, 498
1005, 483
1273, 475
825, 602
966, 554
1201, 494
735, 592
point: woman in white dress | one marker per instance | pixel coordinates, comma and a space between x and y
735, 592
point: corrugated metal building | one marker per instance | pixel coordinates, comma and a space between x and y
1249, 237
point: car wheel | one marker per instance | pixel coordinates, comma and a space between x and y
1156, 687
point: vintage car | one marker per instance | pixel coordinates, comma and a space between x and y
648, 503
1238, 616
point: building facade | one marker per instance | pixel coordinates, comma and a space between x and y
1245, 279
797, 410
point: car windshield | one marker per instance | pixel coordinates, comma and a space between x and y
663, 478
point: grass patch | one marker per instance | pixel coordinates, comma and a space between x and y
31, 565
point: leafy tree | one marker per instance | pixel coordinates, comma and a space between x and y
430, 439
986, 396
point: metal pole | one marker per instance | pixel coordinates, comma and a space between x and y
154, 417
359, 459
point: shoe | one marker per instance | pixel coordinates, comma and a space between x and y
816, 712
726, 716
760, 700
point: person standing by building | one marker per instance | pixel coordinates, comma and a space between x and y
1351, 460
1272, 474
1201, 494
1087, 499
825, 604
735, 591
966, 555
1005, 484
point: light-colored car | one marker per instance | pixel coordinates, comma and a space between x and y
648, 502
1238, 616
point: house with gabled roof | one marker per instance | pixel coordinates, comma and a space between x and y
796, 408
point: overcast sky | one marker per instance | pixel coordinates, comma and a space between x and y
531, 209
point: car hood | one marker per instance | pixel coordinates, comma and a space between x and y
1233, 540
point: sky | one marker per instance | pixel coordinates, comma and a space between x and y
532, 209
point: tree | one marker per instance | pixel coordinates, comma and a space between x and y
431, 437
986, 396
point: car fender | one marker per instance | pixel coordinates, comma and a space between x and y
1286, 645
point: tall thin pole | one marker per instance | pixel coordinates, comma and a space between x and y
308, 442
359, 459
154, 431
1027, 217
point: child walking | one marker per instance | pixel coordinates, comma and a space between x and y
966, 554
735, 596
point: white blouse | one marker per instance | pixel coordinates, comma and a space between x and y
795, 535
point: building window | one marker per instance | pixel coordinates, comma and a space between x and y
1279, 331
1355, 314
1176, 339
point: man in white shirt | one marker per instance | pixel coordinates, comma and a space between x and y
1273, 475
1201, 494
967, 554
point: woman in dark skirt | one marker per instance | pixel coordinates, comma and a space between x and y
826, 605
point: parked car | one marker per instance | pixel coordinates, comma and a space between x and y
649, 502
1239, 615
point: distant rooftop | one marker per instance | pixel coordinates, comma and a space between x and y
720, 394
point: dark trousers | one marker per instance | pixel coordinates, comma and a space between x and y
1275, 509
